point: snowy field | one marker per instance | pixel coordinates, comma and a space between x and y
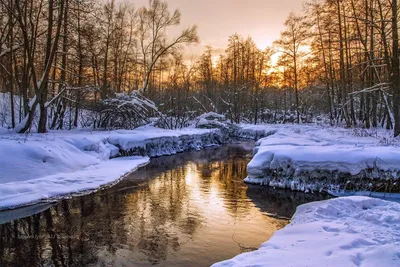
36, 167
314, 158
352, 231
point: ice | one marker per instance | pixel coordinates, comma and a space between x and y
351, 231
312, 158
37, 167
153, 141
11, 215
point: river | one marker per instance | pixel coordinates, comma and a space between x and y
190, 209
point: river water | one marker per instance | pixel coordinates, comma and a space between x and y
191, 209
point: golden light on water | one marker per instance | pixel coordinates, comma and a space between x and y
174, 212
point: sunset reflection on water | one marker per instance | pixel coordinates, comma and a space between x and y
191, 209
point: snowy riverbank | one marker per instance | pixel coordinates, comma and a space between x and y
38, 167
312, 158
345, 231
306, 158
348, 231
352, 231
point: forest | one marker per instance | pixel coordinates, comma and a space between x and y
186, 133
113, 65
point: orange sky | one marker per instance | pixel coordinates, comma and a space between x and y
218, 19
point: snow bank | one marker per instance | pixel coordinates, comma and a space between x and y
211, 120
352, 231
230, 130
37, 167
155, 142
308, 158
253, 132
19, 193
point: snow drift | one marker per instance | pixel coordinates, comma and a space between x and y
352, 231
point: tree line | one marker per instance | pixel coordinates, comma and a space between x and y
338, 59
354, 48
59, 56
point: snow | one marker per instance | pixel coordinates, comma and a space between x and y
312, 158
14, 194
5, 109
351, 231
212, 116
160, 142
348, 231
254, 132
37, 167
212, 120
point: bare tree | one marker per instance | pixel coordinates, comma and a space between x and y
396, 68
155, 20
292, 40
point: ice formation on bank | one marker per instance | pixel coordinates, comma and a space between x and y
352, 231
307, 158
41, 167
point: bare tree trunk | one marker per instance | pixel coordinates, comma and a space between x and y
321, 40
373, 95
80, 71
42, 97
343, 85
395, 66
104, 88
10, 62
28, 70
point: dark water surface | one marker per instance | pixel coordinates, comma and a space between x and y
192, 209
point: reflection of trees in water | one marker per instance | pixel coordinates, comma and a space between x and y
280, 203
150, 220
64, 235
227, 176
163, 213
72, 233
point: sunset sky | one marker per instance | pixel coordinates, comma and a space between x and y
218, 19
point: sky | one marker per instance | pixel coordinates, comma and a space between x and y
218, 19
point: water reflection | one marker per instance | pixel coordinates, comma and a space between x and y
280, 203
191, 209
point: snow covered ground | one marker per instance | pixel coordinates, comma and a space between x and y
348, 231
36, 167
314, 158
352, 231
